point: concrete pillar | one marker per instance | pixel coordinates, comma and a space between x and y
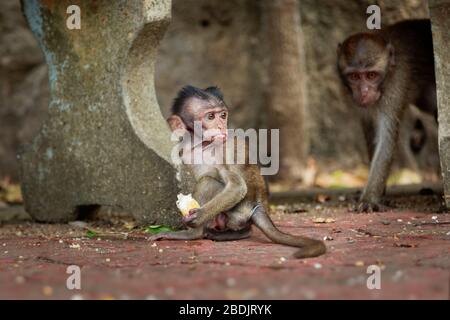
105, 142
440, 21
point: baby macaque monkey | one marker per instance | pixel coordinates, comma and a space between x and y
232, 196
385, 71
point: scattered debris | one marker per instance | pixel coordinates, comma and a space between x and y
231, 282
158, 229
299, 210
359, 263
397, 275
340, 178
323, 198
324, 220
423, 223
405, 245
10, 192
91, 234
130, 225
47, 291
78, 224
20, 280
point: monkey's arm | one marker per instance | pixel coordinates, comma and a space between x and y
234, 191
369, 136
387, 134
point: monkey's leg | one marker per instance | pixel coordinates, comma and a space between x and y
190, 234
308, 247
406, 137
369, 136
229, 235
387, 134
234, 191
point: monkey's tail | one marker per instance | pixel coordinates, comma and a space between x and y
308, 247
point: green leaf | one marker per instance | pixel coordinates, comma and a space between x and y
91, 234
158, 229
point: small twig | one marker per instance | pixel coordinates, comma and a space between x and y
431, 223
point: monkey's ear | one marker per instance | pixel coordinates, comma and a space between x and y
391, 52
175, 122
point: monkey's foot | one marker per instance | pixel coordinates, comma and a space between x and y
368, 207
160, 236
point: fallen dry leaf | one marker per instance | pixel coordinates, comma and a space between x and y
321, 198
10, 192
404, 176
359, 263
47, 291
324, 220
405, 245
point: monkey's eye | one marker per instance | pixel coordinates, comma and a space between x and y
223, 115
372, 75
354, 76
210, 116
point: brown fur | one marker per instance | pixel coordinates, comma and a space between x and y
402, 56
232, 198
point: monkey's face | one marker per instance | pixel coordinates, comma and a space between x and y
365, 87
214, 124
363, 61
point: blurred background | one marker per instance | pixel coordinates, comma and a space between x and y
276, 66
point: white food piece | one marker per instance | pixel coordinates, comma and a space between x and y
186, 203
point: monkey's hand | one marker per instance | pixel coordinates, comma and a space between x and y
193, 219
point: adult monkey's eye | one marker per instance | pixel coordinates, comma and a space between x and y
210, 116
353, 76
223, 115
372, 75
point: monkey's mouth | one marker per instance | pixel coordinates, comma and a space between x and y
369, 100
215, 140
218, 138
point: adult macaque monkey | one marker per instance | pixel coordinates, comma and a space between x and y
232, 196
384, 71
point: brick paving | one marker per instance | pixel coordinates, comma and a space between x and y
411, 248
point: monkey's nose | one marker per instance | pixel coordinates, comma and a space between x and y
364, 91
